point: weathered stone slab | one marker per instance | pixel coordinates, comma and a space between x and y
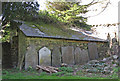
81, 56
92, 50
84, 57
31, 57
56, 57
68, 55
77, 55
44, 56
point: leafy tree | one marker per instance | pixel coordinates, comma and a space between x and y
18, 10
70, 12
67, 12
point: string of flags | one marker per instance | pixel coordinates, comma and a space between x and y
107, 25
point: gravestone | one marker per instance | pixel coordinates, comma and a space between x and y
56, 57
31, 57
44, 56
81, 56
92, 50
77, 55
84, 57
68, 55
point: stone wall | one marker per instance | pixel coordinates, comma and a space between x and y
53, 52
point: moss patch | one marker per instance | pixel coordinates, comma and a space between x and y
55, 30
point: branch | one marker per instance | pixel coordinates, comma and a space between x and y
92, 2
102, 10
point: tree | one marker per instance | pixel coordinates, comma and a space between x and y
70, 12
18, 10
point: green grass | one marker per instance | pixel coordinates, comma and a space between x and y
32, 74
66, 73
21, 76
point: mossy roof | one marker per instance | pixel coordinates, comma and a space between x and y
31, 29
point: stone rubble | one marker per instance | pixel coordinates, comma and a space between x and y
104, 66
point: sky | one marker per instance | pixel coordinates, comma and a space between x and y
109, 16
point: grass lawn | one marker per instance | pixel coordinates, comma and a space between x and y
32, 74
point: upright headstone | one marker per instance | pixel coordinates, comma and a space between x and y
56, 57
44, 56
84, 57
92, 50
81, 56
31, 57
68, 55
77, 55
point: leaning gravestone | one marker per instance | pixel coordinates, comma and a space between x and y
31, 57
56, 57
92, 50
68, 55
44, 56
